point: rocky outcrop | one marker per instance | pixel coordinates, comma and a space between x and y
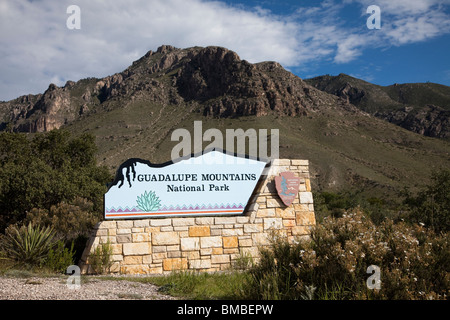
432, 121
42, 112
234, 87
410, 106
214, 78
351, 94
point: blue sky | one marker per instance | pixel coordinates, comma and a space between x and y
309, 38
400, 60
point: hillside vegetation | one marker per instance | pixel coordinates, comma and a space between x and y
423, 108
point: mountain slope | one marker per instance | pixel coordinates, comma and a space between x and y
423, 108
213, 77
134, 112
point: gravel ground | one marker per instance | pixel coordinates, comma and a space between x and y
91, 288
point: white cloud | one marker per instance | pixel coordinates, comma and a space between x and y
401, 7
36, 47
34, 39
406, 21
349, 48
417, 28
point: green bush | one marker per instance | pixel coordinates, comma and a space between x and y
431, 206
100, 258
334, 204
46, 170
59, 257
198, 285
337, 204
69, 220
414, 262
272, 277
27, 245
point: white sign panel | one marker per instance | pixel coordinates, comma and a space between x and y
214, 183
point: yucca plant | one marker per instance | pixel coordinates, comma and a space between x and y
148, 201
28, 244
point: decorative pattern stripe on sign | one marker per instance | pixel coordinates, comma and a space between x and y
177, 208
117, 215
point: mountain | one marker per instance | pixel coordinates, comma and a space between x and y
212, 77
423, 108
133, 113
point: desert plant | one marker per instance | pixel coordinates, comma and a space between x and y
243, 262
59, 257
148, 201
199, 285
100, 258
27, 244
273, 277
431, 205
413, 261
69, 220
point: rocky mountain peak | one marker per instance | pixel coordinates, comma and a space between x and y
165, 49
213, 78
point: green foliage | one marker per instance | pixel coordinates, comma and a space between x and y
148, 201
334, 204
69, 221
100, 258
413, 260
59, 257
431, 206
200, 285
272, 277
243, 262
27, 245
45, 170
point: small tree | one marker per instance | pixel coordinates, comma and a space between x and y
49, 169
431, 205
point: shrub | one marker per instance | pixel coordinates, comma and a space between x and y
272, 278
337, 204
414, 262
46, 170
72, 222
198, 285
431, 206
69, 221
60, 257
100, 258
27, 245
242, 262
334, 204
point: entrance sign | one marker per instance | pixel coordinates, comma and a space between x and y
213, 183
287, 185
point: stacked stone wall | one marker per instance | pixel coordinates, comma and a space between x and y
207, 243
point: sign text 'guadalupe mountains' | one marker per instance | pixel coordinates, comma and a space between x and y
213, 183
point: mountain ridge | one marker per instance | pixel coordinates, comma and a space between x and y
240, 89
132, 114
423, 108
